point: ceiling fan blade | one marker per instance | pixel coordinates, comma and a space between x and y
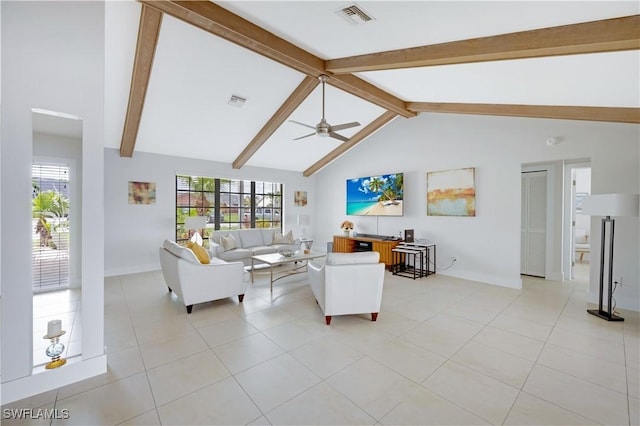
345, 126
305, 136
337, 136
302, 124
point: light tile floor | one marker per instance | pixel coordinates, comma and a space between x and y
443, 351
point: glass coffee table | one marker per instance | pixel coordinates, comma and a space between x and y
277, 259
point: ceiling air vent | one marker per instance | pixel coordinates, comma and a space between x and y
354, 14
236, 101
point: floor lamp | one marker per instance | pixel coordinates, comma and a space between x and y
609, 206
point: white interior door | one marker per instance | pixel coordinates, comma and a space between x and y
534, 223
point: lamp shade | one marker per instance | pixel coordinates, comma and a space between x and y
611, 205
195, 222
304, 219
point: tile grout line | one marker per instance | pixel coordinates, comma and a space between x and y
574, 290
538, 357
540, 353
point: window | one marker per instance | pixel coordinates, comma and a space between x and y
227, 204
50, 226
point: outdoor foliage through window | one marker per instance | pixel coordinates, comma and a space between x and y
227, 204
50, 190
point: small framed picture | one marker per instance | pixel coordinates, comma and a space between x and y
142, 192
300, 198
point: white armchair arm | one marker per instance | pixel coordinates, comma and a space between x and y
315, 272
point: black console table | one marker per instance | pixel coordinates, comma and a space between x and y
414, 260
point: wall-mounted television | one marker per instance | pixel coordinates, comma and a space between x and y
376, 195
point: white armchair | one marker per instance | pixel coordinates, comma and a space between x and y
348, 283
194, 282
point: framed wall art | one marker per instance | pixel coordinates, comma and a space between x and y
300, 198
142, 192
451, 192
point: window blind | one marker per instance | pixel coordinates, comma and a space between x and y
50, 226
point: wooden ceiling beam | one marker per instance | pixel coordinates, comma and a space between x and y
608, 114
219, 21
222, 23
376, 124
301, 92
608, 35
148, 32
367, 91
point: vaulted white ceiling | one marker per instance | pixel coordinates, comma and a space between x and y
195, 73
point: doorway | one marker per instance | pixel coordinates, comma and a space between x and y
578, 253
56, 199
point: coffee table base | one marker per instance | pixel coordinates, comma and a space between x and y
278, 260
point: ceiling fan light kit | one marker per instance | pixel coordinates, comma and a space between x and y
323, 128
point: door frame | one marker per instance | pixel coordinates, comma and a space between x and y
568, 236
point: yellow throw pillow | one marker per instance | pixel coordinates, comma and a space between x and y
200, 252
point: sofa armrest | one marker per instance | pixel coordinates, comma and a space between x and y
315, 272
215, 249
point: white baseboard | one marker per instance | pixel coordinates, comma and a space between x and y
555, 276
132, 270
486, 279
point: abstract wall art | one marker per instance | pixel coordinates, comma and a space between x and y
300, 198
142, 192
451, 192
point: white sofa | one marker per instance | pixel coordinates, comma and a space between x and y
348, 283
250, 242
194, 282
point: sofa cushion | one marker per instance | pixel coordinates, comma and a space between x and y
229, 242
283, 238
251, 238
267, 235
179, 251
215, 236
200, 252
351, 258
236, 255
263, 250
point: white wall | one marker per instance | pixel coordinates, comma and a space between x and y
487, 246
616, 170
52, 58
134, 232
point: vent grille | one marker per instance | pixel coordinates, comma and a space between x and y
354, 14
236, 101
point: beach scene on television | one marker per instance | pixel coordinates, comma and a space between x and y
375, 195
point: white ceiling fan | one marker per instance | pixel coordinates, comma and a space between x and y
323, 128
